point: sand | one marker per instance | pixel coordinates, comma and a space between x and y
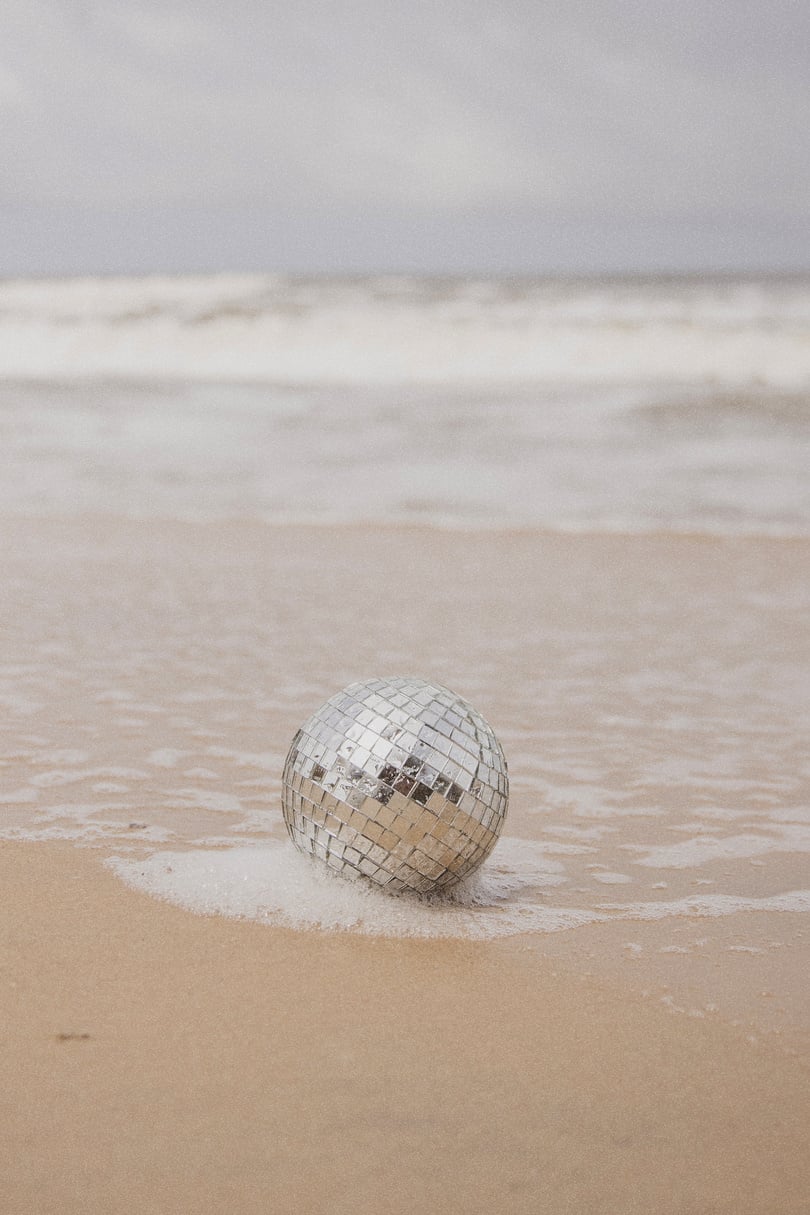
155, 1061
651, 693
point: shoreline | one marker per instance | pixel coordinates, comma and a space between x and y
650, 694
104, 521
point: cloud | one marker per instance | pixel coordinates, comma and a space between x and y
598, 113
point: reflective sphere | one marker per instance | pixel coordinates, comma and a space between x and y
398, 780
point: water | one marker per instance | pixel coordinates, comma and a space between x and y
638, 638
396, 330
507, 898
625, 406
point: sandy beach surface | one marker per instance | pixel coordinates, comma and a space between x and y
650, 692
156, 1061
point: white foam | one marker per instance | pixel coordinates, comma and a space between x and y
205, 799
56, 777
608, 878
61, 756
166, 757
654, 456
15, 797
701, 850
709, 905
286, 331
80, 828
274, 884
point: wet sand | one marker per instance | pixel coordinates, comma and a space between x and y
651, 694
156, 1061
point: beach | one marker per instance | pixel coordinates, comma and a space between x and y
159, 1061
224, 498
167, 1060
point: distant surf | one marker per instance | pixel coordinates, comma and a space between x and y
678, 406
399, 329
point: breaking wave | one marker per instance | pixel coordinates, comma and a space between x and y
287, 330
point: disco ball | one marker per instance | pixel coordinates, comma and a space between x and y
398, 780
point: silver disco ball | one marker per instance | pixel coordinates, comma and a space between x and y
398, 780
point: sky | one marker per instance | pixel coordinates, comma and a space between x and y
512, 137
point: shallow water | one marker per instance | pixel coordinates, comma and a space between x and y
584, 507
626, 458
651, 694
674, 405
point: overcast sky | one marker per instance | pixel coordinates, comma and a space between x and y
584, 135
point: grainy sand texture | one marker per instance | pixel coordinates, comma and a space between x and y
651, 695
157, 1061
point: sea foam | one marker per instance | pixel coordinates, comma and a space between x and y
274, 884
384, 330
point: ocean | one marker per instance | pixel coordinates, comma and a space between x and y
584, 505
674, 405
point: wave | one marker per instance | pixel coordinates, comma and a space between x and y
576, 459
509, 896
388, 330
